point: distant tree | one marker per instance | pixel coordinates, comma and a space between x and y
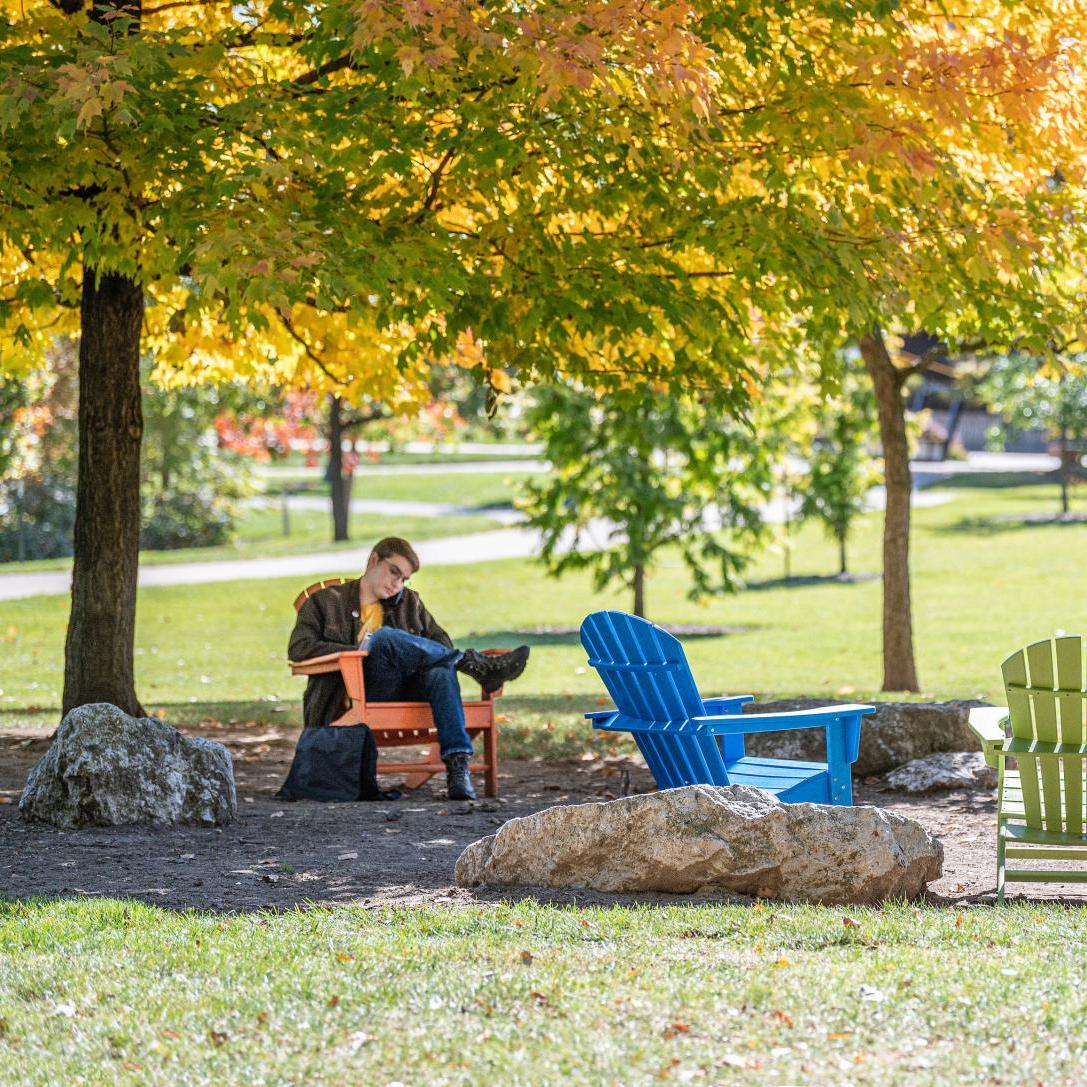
647, 470
1051, 394
841, 470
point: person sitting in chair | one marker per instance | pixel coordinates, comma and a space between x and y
410, 658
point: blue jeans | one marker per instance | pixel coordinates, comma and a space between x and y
403, 667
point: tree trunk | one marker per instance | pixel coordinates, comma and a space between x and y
843, 569
899, 669
98, 657
1066, 468
639, 591
341, 499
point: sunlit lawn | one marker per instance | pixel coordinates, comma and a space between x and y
982, 587
99, 992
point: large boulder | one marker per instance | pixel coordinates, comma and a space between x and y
105, 768
945, 770
702, 838
897, 733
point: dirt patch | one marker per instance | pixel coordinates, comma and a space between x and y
278, 855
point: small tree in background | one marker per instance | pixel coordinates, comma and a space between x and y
841, 470
1028, 392
640, 471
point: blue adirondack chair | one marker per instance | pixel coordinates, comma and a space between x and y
688, 740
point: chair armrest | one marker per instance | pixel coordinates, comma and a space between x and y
330, 662
599, 715
987, 724
726, 703
731, 724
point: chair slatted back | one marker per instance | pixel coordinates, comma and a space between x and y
647, 675
643, 667
1046, 685
309, 590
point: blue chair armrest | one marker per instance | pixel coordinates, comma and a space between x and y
598, 715
610, 724
726, 703
728, 724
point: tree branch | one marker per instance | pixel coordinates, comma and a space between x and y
310, 352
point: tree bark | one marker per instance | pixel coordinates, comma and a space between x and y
899, 669
639, 591
98, 653
843, 568
338, 486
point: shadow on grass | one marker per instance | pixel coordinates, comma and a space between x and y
533, 636
807, 581
993, 481
1010, 522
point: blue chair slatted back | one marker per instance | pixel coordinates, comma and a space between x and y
647, 675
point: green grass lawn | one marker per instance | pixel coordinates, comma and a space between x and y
461, 488
104, 992
982, 587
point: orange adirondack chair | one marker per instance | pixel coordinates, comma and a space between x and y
403, 724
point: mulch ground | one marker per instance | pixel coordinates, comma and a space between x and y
277, 855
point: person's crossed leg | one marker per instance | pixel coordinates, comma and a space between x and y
403, 667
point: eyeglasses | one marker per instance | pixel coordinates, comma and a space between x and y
397, 572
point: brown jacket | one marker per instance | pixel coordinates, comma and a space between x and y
329, 621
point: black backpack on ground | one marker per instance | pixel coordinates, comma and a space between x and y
334, 763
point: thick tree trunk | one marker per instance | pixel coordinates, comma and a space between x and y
639, 591
899, 669
98, 664
338, 486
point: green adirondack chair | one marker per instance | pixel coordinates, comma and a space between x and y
1041, 812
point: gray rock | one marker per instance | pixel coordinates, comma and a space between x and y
946, 770
706, 839
897, 733
105, 768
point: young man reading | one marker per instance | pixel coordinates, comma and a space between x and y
410, 659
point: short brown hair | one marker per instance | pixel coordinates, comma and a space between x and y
394, 545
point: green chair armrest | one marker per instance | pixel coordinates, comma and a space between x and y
987, 724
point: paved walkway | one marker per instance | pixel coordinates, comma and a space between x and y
502, 543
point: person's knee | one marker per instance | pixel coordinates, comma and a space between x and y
438, 681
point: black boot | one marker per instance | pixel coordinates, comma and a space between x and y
457, 778
491, 672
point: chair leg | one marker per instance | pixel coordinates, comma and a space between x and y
413, 781
490, 758
1000, 867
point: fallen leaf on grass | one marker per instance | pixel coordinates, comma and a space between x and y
782, 1017
344, 957
674, 1029
540, 998
171, 1034
526, 958
333, 1001
849, 922
839, 1035
218, 1037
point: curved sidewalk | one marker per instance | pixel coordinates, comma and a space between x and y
503, 543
